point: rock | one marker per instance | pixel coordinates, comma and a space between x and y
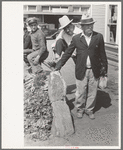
62, 125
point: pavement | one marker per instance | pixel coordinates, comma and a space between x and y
104, 129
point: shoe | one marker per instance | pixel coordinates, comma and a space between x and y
91, 116
52, 64
80, 113
39, 71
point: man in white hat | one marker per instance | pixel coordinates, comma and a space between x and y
63, 40
91, 63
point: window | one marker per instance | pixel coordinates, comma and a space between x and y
45, 8
112, 23
76, 9
64, 9
55, 9
84, 10
113, 14
55, 6
31, 8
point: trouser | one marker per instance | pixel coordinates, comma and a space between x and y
60, 47
28, 51
37, 68
86, 92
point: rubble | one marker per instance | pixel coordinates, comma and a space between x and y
37, 108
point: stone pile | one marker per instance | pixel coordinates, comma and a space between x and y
37, 107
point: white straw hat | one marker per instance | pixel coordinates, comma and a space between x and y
64, 21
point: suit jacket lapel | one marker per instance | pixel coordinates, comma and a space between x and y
93, 39
82, 39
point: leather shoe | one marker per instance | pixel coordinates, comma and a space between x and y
91, 116
80, 113
52, 64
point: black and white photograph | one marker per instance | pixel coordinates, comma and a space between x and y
64, 60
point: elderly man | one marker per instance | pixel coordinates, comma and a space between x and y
63, 40
39, 48
91, 63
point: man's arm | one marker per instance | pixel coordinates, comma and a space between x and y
67, 54
42, 43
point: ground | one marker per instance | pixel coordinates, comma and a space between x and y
104, 129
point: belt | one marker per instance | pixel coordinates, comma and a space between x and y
88, 68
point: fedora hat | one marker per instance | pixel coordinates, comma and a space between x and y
32, 20
86, 19
64, 21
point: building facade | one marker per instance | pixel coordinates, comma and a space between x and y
106, 16
51, 13
107, 23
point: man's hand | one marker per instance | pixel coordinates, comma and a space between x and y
57, 69
58, 66
52, 64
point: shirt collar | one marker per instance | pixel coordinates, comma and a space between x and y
35, 31
85, 35
74, 31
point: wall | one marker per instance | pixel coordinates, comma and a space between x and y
98, 13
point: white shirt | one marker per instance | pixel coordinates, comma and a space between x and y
66, 37
88, 40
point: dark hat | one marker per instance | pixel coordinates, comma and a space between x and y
32, 20
85, 19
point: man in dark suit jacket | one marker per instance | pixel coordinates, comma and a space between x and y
91, 63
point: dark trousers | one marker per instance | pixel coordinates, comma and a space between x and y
60, 47
44, 56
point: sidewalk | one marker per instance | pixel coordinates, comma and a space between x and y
106, 111
104, 130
